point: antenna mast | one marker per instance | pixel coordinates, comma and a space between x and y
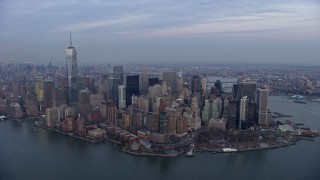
70, 40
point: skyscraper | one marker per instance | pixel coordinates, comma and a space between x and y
72, 72
144, 83
118, 74
132, 88
117, 80
40, 91
246, 88
262, 106
243, 112
170, 77
196, 85
218, 85
122, 96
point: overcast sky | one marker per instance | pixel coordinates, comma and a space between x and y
120, 31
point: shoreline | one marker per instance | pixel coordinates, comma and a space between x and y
251, 149
152, 154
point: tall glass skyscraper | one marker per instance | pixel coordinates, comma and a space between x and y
72, 71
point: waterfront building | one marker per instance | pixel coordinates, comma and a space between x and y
72, 73
14, 110
159, 138
132, 88
262, 106
52, 116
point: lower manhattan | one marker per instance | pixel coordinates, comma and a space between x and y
156, 89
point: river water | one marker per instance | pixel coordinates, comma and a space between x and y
27, 152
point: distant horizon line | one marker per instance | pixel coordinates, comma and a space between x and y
198, 63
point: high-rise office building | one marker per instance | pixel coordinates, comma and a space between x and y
196, 85
48, 86
262, 106
144, 83
16, 91
170, 77
122, 96
218, 85
117, 80
247, 88
153, 81
118, 74
243, 112
180, 88
40, 91
163, 122
132, 88
72, 73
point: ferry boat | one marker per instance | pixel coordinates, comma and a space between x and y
191, 151
229, 150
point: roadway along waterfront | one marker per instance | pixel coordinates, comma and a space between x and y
28, 152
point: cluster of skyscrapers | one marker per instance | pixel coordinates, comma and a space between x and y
171, 104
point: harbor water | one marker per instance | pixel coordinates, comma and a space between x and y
28, 152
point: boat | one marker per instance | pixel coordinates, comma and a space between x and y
299, 101
229, 150
191, 151
2, 118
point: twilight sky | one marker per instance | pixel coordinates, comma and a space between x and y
153, 31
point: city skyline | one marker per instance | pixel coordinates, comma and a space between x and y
284, 32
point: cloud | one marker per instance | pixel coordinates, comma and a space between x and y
99, 24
